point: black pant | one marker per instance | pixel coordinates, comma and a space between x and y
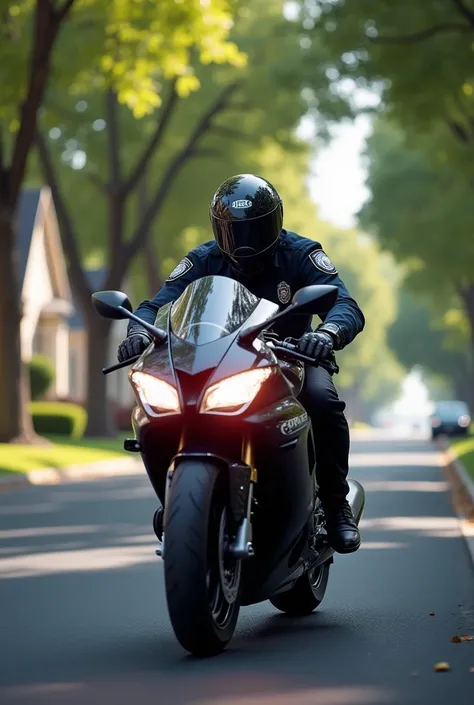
331, 434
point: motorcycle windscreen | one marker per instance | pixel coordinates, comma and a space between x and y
211, 308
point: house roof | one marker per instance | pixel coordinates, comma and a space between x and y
26, 216
95, 279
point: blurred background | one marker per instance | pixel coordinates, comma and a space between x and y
119, 119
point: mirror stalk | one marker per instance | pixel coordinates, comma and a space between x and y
157, 334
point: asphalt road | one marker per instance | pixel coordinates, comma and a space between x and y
83, 615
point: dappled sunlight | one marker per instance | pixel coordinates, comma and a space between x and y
405, 486
75, 561
403, 459
48, 531
25, 692
329, 695
381, 544
123, 494
264, 694
433, 527
30, 509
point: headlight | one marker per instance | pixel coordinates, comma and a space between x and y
237, 391
155, 392
464, 421
435, 422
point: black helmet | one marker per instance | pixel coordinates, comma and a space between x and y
247, 216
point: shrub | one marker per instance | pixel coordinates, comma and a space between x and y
58, 419
41, 376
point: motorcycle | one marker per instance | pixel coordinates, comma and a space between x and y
229, 451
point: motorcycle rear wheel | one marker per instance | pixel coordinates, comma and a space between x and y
202, 580
306, 594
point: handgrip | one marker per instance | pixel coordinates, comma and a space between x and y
119, 365
329, 365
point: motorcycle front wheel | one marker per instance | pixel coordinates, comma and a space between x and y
202, 580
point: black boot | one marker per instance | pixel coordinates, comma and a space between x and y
158, 523
343, 534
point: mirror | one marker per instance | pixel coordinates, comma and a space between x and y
108, 304
309, 300
116, 305
314, 299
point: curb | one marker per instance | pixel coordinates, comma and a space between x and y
463, 493
73, 473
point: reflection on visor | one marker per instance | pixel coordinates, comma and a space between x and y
243, 235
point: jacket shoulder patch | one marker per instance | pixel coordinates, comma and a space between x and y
184, 266
321, 261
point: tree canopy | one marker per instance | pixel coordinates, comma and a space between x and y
417, 56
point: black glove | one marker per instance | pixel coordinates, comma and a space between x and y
318, 345
134, 344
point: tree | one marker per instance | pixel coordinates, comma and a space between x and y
422, 337
116, 46
178, 133
423, 212
23, 93
417, 56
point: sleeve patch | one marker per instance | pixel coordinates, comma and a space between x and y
322, 262
184, 266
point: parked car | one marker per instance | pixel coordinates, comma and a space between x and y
451, 418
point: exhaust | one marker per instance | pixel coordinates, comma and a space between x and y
356, 499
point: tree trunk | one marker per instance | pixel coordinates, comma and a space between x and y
15, 420
468, 300
100, 422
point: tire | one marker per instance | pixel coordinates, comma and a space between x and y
306, 594
202, 584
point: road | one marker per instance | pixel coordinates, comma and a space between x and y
84, 617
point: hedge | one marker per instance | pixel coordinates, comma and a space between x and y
58, 418
41, 373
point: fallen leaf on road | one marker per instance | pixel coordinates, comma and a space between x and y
465, 637
442, 666
456, 639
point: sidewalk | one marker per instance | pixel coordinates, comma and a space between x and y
463, 492
72, 473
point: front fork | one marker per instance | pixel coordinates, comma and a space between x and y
242, 547
242, 479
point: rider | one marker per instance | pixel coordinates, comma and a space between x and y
250, 246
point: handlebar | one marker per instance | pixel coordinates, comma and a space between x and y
119, 365
292, 351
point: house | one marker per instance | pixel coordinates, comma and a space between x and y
118, 387
52, 324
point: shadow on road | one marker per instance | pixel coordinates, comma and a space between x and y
84, 616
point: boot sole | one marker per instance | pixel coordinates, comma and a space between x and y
345, 551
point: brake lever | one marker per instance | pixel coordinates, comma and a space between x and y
119, 365
331, 366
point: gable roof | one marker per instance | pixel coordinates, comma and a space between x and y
26, 217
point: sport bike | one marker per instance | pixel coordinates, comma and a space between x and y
229, 451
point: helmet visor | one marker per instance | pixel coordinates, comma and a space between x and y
247, 238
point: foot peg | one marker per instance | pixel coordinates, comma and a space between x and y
131, 445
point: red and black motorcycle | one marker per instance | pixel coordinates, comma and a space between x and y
229, 451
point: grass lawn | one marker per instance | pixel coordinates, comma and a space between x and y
464, 449
22, 458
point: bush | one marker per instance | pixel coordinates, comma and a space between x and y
41, 376
58, 419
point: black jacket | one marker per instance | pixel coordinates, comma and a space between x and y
297, 262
